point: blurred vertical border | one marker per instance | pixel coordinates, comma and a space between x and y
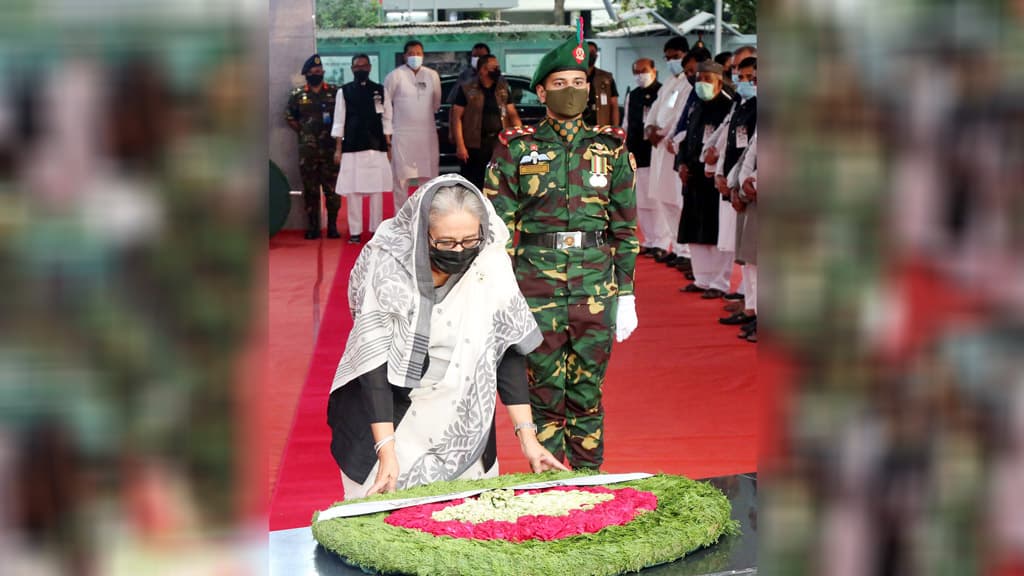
891, 362
132, 255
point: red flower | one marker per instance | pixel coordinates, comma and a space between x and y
626, 504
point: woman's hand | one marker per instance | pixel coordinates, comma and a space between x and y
540, 459
462, 154
387, 472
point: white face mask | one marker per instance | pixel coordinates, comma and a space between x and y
675, 67
644, 80
473, 61
414, 62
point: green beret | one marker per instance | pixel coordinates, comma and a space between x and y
568, 56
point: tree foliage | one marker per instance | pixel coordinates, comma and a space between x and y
740, 13
334, 14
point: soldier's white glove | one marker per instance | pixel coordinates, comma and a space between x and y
625, 317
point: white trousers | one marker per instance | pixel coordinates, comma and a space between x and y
355, 211
655, 218
400, 193
711, 266
750, 296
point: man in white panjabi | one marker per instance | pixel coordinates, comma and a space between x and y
665, 189
439, 324
412, 93
361, 148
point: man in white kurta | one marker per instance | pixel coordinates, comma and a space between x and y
361, 148
665, 191
412, 93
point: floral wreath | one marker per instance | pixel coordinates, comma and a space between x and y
602, 530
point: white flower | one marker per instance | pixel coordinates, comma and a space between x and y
504, 506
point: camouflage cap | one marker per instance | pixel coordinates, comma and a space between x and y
313, 60
568, 56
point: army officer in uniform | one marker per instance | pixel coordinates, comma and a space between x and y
310, 113
568, 189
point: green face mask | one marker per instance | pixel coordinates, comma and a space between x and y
705, 90
567, 102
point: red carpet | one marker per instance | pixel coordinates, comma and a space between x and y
680, 397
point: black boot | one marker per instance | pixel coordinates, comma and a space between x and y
332, 227
313, 228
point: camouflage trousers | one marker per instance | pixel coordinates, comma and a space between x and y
566, 373
319, 174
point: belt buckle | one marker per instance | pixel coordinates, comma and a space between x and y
566, 240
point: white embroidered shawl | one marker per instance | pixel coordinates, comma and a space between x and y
391, 295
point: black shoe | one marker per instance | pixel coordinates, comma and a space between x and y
693, 289
332, 232
644, 251
733, 307
733, 296
748, 328
712, 293
689, 275
312, 225
666, 258
354, 239
683, 264
736, 319
654, 253
752, 336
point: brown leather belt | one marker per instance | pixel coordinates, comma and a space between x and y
563, 240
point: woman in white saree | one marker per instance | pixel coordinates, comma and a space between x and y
438, 325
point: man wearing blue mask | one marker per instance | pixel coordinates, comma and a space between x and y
412, 93
664, 190
698, 226
725, 155
638, 104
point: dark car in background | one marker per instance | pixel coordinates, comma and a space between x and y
530, 110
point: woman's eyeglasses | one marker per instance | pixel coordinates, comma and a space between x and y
451, 243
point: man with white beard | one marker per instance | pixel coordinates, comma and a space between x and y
665, 189
411, 95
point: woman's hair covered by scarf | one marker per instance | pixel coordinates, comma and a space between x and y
454, 199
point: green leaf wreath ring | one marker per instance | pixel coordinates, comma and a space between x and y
690, 515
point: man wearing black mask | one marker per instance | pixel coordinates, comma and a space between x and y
310, 113
362, 151
603, 102
482, 110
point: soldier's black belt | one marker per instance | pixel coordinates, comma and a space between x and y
562, 240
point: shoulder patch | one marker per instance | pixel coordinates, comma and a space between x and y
513, 133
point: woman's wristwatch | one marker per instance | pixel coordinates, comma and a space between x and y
522, 425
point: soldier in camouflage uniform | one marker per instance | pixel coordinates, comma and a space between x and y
568, 189
309, 113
